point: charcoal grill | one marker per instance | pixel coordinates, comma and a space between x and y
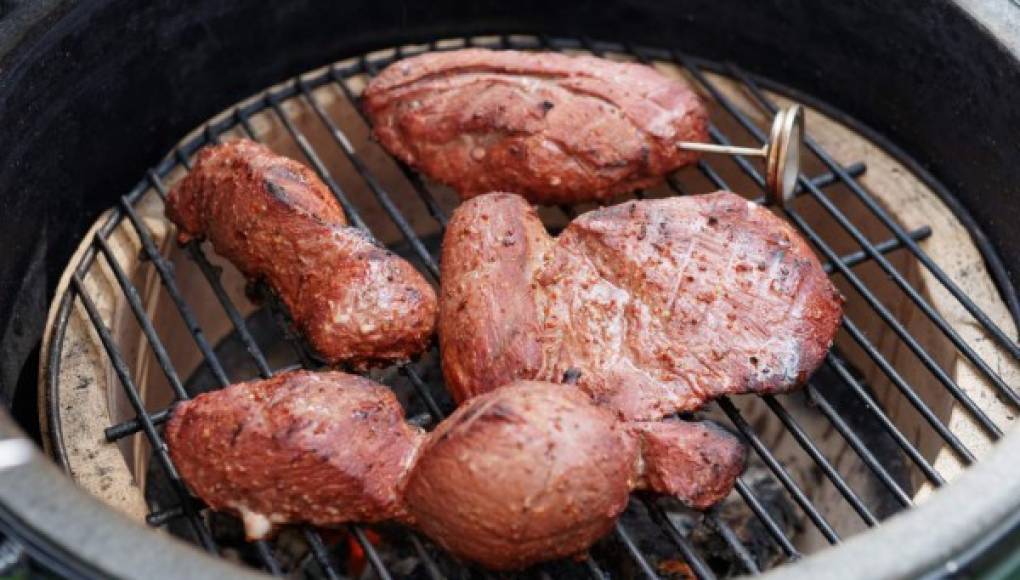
943, 418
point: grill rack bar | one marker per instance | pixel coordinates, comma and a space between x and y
165, 270
694, 560
819, 458
435, 210
147, 421
859, 447
771, 525
777, 469
320, 553
635, 553
739, 550
120, 366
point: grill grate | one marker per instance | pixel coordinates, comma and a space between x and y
338, 76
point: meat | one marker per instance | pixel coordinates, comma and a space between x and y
550, 127
321, 448
534, 471
276, 221
528, 472
659, 305
696, 463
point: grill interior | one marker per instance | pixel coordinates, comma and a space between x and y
896, 462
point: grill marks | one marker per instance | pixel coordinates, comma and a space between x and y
659, 304
553, 128
276, 221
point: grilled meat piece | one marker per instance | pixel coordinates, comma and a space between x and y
696, 463
551, 127
322, 448
528, 472
276, 221
661, 305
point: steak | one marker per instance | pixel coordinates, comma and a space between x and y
551, 127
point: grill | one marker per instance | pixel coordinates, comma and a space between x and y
837, 201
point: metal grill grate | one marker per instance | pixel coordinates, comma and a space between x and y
302, 88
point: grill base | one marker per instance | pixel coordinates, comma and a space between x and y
87, 394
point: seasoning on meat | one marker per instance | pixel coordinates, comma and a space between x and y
528, 472
321, 448
551, 127
695, 462
661, 305
276, 221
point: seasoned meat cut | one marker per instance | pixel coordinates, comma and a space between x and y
695, 462
551, 127
528, 472
321, 448
660, 305
534, 471
276, 221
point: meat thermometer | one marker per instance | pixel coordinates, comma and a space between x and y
781, 153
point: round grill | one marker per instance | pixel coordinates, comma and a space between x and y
916, 388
